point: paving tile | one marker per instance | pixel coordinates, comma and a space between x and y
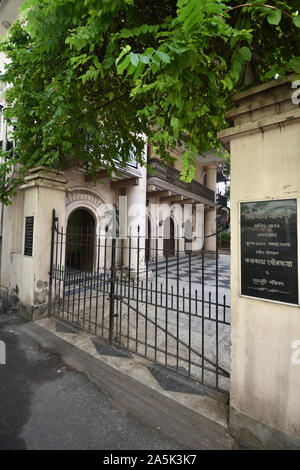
107, 350
172, 382
61, 327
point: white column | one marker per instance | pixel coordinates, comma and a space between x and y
136, 206
210, 214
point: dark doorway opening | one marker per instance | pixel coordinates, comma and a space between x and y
80, 240
169, 242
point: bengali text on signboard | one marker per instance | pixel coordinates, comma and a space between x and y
269, 254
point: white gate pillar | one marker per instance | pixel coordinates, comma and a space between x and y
265, 359
27, 240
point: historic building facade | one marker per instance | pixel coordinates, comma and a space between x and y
152, 206
158, 205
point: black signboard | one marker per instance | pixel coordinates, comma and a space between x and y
269, 255
28, 236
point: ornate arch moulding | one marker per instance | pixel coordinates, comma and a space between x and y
82, 194
79, 196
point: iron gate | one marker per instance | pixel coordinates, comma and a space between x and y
172, 310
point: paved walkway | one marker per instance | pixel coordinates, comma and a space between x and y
163, 313
44, 405
195, 265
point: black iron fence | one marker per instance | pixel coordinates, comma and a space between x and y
168, 305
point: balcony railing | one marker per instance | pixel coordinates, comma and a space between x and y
172, 176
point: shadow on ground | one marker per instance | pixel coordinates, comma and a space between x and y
44, 405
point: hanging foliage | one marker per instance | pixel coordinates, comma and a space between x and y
95, 78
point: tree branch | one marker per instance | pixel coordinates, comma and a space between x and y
104, 105
259, 5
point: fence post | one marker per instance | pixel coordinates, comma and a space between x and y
217, 306
54, 219
112, 288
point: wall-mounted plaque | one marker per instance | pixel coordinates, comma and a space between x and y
269, 254
28, 236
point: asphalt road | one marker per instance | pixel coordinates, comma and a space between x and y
46, 406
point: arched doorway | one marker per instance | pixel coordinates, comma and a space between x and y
169, 242
80, 240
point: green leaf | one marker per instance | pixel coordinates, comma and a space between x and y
123, 65
235, 75
295, 65
296, 21
190, 13
174, 122
274, 17
134, 58
227, 82
144, 58
66, 145
245, 53
124, 51
138, 71
164, 57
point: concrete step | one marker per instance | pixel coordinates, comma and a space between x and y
195, 417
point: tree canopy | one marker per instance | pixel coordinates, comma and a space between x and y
94, 78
